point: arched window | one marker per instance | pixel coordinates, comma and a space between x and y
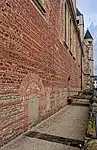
70, 35
63, 21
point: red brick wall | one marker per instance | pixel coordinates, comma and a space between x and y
29, 44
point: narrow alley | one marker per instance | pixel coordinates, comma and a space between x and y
46, 63
70, 122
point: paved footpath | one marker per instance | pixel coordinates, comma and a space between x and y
70, 122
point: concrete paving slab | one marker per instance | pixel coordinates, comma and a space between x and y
70, 122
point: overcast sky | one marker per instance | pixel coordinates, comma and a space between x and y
89, 9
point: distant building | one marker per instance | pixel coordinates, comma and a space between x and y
87, 60
80, 23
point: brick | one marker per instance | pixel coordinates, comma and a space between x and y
30, 45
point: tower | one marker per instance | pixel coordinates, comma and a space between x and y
80, 23
88, 39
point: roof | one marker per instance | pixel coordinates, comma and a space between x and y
88, 35
78, 13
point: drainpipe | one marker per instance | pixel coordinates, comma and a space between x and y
69, 87
68, 97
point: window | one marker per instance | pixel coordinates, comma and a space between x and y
40, 5
70, 35
90, 42
77, 21
63, 21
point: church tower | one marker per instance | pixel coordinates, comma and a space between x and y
80, 23
88, 39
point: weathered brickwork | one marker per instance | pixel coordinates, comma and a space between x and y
34, 65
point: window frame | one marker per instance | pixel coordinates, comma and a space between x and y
40, 6
70, 33
64, 22
77, 21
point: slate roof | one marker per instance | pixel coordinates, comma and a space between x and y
78, 13
88, 35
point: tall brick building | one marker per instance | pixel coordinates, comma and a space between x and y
40, 48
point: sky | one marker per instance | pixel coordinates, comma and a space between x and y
89, 9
